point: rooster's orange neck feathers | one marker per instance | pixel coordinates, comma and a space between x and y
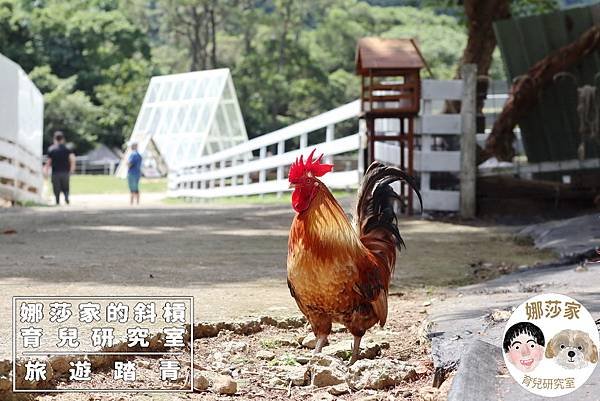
324, 221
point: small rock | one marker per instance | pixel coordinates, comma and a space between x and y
427, 303
339, 389
277, 382
310, 341
378, 374
225, 385
247, 327
235, 347
303, 359
286, 342
203, 330
201, 382
143, 364
265, 355
221, 357
343, 349
293, 322
500, 315
327, 371
5, 384
298, 375
60, 364
5, 367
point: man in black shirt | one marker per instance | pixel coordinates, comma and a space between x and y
62, 161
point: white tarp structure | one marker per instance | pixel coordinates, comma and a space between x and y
187, 116
21, 131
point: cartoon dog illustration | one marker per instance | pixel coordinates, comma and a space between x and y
572, 349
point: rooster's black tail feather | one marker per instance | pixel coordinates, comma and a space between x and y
376, 200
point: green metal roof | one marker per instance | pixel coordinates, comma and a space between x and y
550, 130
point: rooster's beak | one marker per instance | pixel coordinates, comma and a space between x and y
292, 186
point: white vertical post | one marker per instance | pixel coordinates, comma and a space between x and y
246, 178
468, 143
362, 145
426, 142
213, 166
203, 181
262, 175
303, 140
234, 177
222, 165
280, 151
329, 136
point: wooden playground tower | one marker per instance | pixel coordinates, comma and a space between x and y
391, 89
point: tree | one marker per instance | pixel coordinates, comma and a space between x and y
525, 92
195, 22
273, 96
67, 109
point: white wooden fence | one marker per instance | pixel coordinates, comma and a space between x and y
21, 123
235, 171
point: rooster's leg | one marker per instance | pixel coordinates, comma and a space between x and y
321, 340
355, 349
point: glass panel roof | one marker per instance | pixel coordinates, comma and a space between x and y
180, 111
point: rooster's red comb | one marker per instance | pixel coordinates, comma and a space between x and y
299, 168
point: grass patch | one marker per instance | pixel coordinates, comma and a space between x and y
108, 184
285, 360
269, 344
441, 254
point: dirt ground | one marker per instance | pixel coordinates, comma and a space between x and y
231, 259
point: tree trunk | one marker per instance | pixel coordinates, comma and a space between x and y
481, 40
525, 91
213, 37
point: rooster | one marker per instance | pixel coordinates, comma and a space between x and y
338, 271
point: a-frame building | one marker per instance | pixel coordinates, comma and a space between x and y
187, 116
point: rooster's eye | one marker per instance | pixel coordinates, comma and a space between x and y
308, 180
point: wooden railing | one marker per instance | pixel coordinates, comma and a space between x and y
21, 128
260, 165
249, 168
20, 173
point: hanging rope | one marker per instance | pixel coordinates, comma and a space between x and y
588, 112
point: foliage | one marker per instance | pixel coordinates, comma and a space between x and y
66, 109
93, 59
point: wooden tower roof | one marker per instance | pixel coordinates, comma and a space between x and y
379, 54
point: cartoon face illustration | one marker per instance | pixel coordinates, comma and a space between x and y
572, 349
524, 346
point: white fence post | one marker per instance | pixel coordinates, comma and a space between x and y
211, 184
330, 136
468, 143
303, 140
234, 178
280, 151
223, 164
